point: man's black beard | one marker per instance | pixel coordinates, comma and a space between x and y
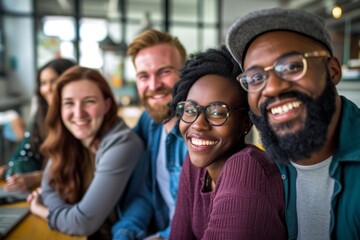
311, 138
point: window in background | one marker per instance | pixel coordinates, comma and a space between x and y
61, 27
195, 23
56, 39
144, 14
53, 7
210, 15
91, 54
18, 52
17, 6
96, 8
56, 30
141, 15
345, 37
97, 21
210, 38
211, 22
184, 11
65, 28
184, 23
188, 36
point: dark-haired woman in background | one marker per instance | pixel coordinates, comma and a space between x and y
228, 189
23, 170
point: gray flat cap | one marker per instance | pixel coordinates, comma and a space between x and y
245, 29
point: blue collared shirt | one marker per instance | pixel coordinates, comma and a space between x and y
147, 204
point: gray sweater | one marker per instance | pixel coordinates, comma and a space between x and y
119, 152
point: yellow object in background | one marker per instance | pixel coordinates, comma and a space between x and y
116, 81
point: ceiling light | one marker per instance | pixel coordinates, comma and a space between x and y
336, 12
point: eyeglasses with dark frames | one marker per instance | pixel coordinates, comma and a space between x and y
216, 114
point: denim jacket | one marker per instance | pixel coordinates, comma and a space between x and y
345, 170
144, 202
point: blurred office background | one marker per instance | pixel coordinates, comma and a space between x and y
95, 33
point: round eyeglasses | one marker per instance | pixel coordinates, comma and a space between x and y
215, 114
290, 67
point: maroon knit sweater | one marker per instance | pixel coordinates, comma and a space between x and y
247, 203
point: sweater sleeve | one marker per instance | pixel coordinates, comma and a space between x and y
114, 164
248, 201
181, 223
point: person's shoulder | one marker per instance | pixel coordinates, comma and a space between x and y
252, 155
349, 106
145, 124
247, 166
145, 118
119, 133
250, 151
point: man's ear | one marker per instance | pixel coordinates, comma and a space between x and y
248, 125
334, 70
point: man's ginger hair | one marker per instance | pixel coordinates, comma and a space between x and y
151, 38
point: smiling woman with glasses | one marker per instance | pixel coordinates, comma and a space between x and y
228, 189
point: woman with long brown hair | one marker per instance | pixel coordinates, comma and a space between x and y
92, 155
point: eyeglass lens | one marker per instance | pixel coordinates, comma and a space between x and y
290, 68
216, 114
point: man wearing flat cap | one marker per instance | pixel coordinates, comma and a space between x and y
311, 131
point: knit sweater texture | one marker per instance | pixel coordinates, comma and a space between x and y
247, 203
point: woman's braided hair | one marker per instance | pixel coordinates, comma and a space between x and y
213, 61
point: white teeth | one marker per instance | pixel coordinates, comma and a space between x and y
159, 96
285, 108
200, 142
81, 122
